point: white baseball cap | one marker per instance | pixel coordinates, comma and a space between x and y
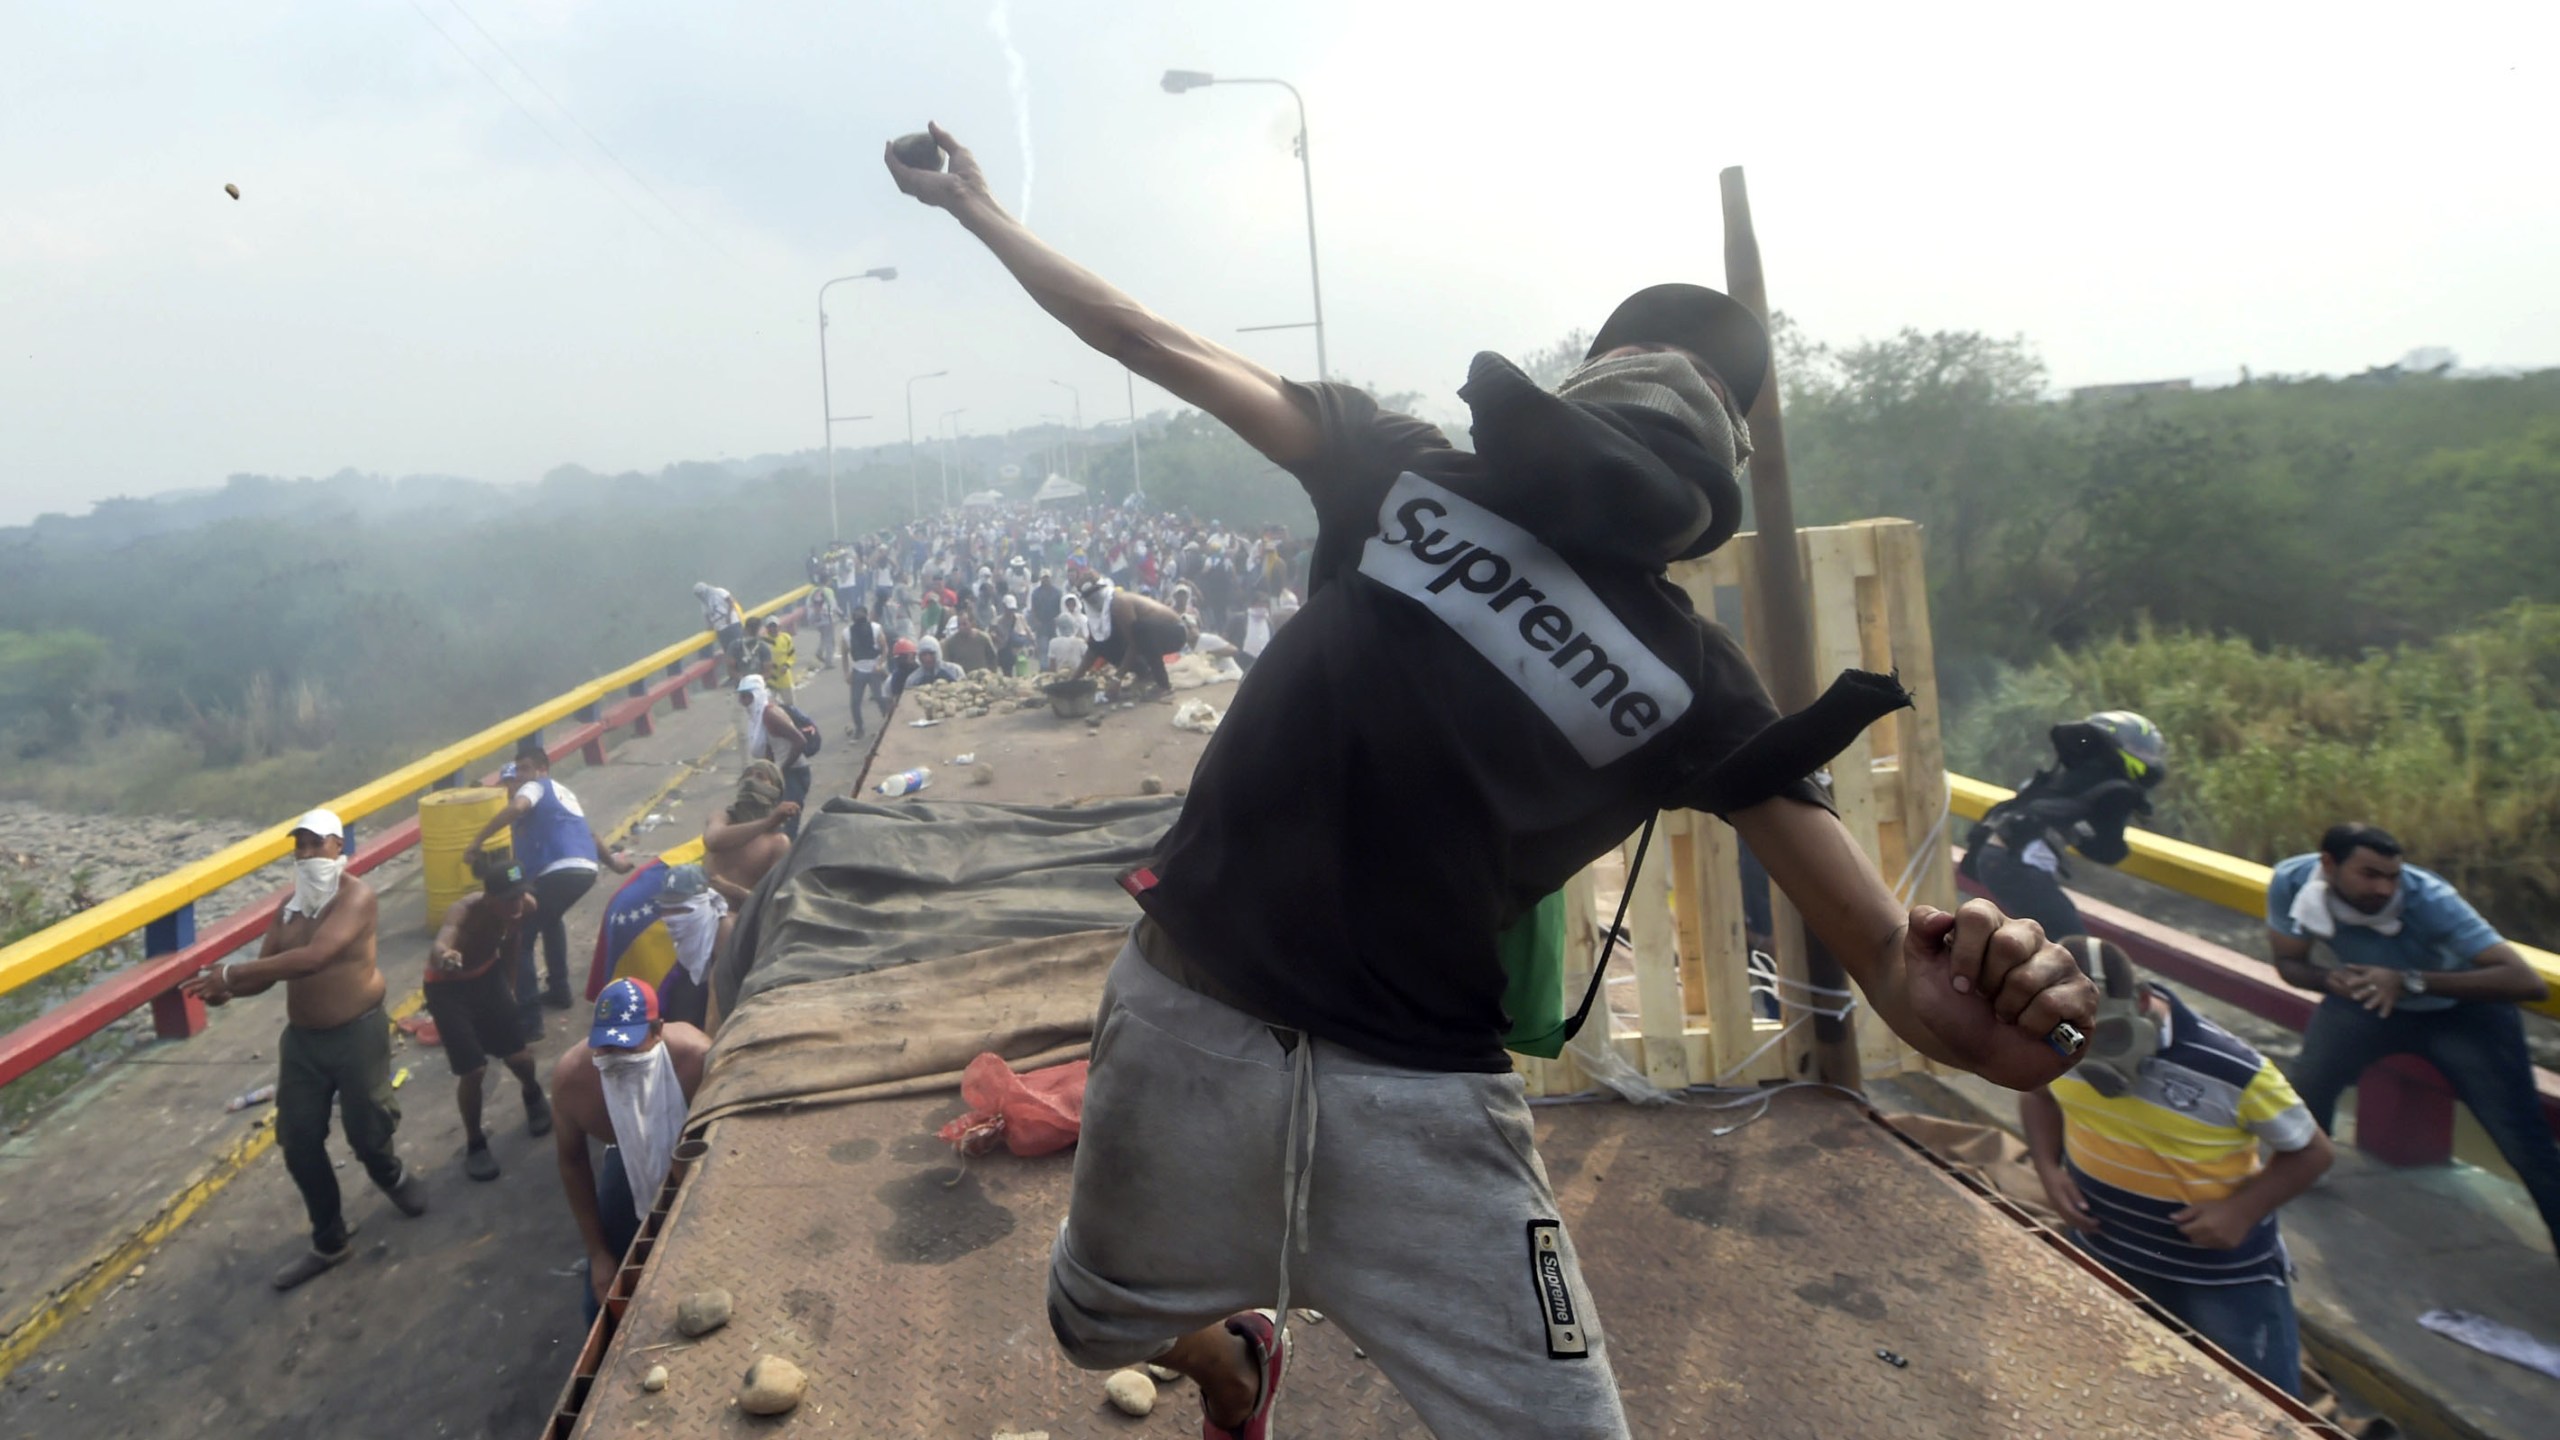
750, 684
323, 823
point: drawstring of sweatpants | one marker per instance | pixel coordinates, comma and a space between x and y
1298, 1166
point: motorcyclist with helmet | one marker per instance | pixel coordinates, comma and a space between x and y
2105, 769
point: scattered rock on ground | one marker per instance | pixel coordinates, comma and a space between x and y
655, 1380
703, 1311
975, 695
773, 1385
1132, 1391
1151, 785
1163, 1374
982, 773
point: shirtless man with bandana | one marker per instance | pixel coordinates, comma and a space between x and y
337, 1041
628, 1084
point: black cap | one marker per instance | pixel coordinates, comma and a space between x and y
1707, 323
502, 879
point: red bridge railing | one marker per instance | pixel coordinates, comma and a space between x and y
174, 951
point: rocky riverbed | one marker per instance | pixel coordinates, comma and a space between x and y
74, 861
59, 864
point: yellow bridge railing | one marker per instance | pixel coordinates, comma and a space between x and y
105, 923
2225, 880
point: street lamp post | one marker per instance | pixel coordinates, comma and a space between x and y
835, 531
1052, 454
1137, 482
1178, 81
948, 417
1077, 401
911, 436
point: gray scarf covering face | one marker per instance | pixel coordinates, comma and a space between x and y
1667, 384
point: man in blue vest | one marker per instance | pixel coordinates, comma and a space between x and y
560, 851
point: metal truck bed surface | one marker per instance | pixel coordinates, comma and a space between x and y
1752, 1284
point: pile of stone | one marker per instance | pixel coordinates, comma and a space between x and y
979, 694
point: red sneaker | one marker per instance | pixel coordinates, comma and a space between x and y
1262, 1337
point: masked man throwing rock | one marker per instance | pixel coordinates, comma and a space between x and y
1492, 682
337, 1041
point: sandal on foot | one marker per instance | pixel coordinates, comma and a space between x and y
1263, 1341
410, 1194
314, 1262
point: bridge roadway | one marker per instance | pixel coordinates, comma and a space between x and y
459, 1323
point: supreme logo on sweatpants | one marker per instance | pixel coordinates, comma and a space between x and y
1565, 1338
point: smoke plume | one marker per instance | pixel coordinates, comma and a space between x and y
1017, 81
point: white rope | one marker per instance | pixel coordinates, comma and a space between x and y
1760, 1101
1808, 987
1904, 888
1841, 1012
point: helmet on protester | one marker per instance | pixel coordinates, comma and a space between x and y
903, 647
2144, 749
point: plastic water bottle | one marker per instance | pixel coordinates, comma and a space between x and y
906, 782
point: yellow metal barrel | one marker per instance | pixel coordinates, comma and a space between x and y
447, 819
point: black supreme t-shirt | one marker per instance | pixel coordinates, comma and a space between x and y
1457, 720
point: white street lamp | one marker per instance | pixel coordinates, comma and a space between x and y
1178, 81
1077, 401
948, 418
835, 531
911, 436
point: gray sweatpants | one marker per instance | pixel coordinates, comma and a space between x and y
1428, 1230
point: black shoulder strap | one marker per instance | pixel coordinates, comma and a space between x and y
1600, 967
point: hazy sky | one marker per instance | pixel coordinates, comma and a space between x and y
417, 279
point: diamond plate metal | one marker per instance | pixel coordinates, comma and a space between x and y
1745, 1282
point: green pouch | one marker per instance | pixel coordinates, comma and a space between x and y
1532, 950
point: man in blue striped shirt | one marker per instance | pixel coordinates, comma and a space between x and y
2150, 1152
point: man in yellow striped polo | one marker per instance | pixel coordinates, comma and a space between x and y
2150, 1152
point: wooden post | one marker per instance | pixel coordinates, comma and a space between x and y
1652, 944
1781, 597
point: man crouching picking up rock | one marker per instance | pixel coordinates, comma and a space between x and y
1299, 1090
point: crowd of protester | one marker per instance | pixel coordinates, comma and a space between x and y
2150, 1151
1023, 590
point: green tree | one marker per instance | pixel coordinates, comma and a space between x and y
2492, 533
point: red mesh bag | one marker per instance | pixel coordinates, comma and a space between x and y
1034, 1114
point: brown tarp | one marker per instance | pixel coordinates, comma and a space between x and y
1991, 1155
908, 1029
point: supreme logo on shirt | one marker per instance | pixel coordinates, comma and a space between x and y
1525, 610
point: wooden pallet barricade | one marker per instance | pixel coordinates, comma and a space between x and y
1686, 953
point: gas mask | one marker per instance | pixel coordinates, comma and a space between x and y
2123, 1037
